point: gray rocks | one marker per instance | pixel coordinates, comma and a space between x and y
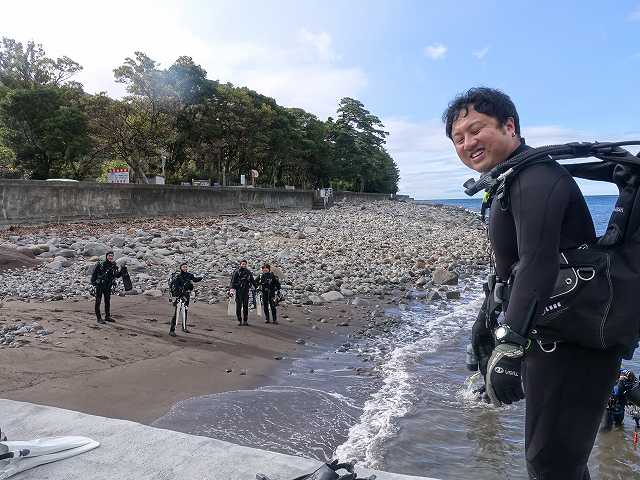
332, 296
94, 249
433, 296
316, 300
12, 335
153, 293
444, 277
132, 264
118, 241
319, 257
59, 263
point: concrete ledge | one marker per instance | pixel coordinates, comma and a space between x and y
35, 201
132, 451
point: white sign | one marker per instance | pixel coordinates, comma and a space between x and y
118, 175
200, 183
243, 180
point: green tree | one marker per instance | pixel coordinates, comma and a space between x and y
27, 66
46, 131
358, 138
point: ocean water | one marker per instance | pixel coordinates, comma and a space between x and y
600, 207
400, 403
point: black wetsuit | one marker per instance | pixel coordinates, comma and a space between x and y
547, 213
103, 276
242, 281
269, 285
183, 286
616, 405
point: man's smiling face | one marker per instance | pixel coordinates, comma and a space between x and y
480, 141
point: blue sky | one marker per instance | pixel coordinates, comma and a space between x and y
572, 68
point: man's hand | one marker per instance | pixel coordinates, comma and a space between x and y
503, 379
483, 343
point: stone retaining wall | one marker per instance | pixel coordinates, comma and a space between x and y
33, 201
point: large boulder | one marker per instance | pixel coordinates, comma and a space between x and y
444, 277
118, 241
97, 249
132, 264
332, 296
59, 263
316, 300
66, 253
11, 258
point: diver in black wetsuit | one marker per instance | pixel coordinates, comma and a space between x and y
618, 400
547, 213
103, 277
242, 282
183, 286
269, 285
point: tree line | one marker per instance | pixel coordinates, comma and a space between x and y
178, 122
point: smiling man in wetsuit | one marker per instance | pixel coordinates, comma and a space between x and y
566, 386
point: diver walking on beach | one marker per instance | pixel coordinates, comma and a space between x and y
242, 282
540, 214
625, 387
181, 287
269, 287
103, 277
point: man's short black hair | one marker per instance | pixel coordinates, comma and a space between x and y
490, 101
267, 266
243, 261
184, 263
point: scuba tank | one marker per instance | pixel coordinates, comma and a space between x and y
633, 394
472, 359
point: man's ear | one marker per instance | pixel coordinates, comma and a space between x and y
510, 126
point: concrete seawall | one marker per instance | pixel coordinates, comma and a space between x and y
357, 197
32, 201
37, 201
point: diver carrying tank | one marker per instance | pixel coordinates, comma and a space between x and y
594, 301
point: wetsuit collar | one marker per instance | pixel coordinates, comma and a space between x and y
521, 148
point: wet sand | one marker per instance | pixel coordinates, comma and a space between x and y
133, 370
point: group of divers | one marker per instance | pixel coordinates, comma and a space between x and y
560, 312
243, 287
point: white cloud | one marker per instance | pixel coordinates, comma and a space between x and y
480, 54
436, 51
300, 69
430, 168
634, 16
322, 43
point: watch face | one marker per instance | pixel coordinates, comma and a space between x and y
501, 332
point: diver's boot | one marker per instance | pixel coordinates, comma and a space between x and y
245, 323
101, 321
108, 318
172, 333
